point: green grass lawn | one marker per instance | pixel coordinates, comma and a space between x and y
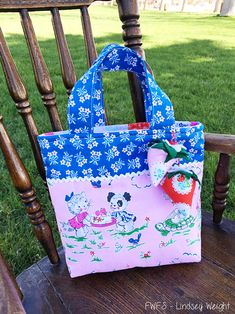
193, 59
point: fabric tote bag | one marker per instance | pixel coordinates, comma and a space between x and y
124, 195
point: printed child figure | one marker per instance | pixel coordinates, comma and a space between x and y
118, 204
78, 205
181, 212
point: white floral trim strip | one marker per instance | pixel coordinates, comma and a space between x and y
96, 179
197, 167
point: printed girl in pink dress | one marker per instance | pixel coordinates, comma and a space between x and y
78, 205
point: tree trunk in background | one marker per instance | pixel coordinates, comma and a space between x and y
161, 8
228, 8
218, 4
145, 4
183, 5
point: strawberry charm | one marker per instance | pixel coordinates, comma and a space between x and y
180, 186
161, 156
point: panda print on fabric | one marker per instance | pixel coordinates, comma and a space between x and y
118, 205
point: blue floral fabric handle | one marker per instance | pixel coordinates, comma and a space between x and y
86, 104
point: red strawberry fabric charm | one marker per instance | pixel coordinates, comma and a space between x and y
180, 186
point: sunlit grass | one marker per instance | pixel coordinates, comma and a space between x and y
193, 59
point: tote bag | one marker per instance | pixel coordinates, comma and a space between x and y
124, 195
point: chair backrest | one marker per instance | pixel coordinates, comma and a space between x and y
129, 16
128, 13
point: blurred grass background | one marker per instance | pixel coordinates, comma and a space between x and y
193, 59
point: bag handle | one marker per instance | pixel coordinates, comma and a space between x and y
118, 58
86, 107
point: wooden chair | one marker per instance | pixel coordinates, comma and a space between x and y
46, 286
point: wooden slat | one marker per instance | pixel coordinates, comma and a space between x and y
41, 73
19, 94
16, 5
88, 36
23, 185
222, 143
66, 63
131, 291
218, 242
211, 280
10, 294
41, 297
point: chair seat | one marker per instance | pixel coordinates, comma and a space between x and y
49, 289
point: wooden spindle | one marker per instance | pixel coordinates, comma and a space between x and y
10, 294
129, 15
88, 36
221, 187
89, 42
41, 73
66, 63
19, 95
23, 185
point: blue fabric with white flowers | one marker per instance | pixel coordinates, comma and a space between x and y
81, 153
86, 107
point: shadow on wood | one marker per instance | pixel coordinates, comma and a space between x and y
49, 289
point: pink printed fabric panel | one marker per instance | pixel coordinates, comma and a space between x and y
126, 222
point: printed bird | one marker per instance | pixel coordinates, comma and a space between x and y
135, 241
96, 184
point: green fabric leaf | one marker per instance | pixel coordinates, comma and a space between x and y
172, 153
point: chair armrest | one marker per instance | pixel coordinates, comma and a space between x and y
10, 294
222, 143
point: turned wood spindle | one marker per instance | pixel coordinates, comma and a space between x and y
66, 63
19, 95
10, 294
221, 187
23, 185
41, 73
88, 36
129, 15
